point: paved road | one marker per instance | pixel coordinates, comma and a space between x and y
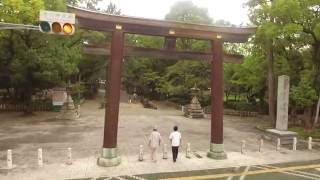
285, 171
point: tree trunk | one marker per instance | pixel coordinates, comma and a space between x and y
271, 92
28, 102
293, 116
227, 96
307, 115
79, 81
317, 114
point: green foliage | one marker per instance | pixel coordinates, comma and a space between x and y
303, 95
261, 107
291, 27
145, 41
155, 78
302, 133
142, 75
30, 60
182, 76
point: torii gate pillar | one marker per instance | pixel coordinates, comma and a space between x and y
110, 155
216, 142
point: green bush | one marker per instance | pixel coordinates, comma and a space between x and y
246, 106
315, 133
180, 100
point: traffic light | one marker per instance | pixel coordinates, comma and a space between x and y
57, 22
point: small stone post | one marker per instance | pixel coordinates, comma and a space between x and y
40, 160
9, 159
69, 157
188, 151
243, 146
261, 145
294, 144
278, 144
182, 109
165, 152
141, 153
310, 143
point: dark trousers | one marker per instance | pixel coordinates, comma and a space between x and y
175, 152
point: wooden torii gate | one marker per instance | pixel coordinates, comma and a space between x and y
119, 25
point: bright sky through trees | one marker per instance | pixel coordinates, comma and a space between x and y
229, 10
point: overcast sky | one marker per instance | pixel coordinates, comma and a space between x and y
229, 10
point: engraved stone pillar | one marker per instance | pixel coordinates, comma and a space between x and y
281, 130
282, 103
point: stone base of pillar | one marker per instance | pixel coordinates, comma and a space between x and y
109, 157
286, 137
216, 152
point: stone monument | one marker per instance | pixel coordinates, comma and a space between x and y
194, 109
281, 131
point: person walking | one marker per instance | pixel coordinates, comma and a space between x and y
175, 138
154, 143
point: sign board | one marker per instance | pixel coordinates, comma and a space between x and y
59, 96
53, 16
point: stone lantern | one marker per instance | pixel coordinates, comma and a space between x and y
194, 109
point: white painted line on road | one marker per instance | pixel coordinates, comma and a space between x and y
137, 177
264, 167
242, 177
235, 169
300, 172
120, 178
254, 172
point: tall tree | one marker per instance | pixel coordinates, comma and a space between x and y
289, 28
260, 16
31, 60
184, 75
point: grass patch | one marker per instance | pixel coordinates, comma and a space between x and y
264, 128
315, 133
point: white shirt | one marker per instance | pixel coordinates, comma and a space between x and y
175, 138
155, 139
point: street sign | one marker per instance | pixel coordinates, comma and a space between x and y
53, 16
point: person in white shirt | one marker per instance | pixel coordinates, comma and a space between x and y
154, 143
175, 138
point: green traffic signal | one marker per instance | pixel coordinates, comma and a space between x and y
45, 26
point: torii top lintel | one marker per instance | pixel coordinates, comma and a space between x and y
93, 20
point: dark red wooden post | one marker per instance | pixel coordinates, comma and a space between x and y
216, 143
109, 152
